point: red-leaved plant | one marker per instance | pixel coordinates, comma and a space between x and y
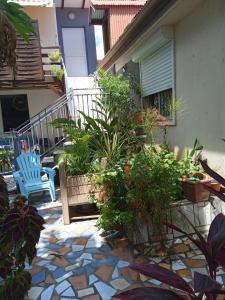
20, 227
213, 250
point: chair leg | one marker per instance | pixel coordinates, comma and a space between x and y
52, 192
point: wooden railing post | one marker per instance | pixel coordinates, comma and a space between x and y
64, 196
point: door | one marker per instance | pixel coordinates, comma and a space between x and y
75, 52
14, 111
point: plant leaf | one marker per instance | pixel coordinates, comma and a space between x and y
216, 236
165, 276
212, 173
205, 284
150, 293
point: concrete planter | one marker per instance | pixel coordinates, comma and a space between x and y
201, 215
75, 191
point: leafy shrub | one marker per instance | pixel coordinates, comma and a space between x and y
154, 184
55, 56
20, 227
57, 72
6, 157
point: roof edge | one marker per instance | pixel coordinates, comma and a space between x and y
148, 15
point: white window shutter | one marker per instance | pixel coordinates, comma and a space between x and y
157, 71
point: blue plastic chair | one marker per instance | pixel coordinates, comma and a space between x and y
29, 175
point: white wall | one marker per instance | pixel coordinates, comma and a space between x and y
200, 81
46, 17
37, 100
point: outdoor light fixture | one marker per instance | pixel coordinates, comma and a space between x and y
71, 15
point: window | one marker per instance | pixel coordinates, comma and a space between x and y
162, 101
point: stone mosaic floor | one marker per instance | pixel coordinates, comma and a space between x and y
74, 261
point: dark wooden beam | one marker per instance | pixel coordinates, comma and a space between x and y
62, 4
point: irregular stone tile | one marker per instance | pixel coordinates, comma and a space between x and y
38, 278
119, 284
79, 271
97, 263
115, 273
104, 272
155, 282
85, 292
68, 293
51, 267
143, 277
65, 276
105, 291
58, 273
60, 262
42, 263
105, 248
61, 287
178, 265
89, 269
34, 292
111, 260
93, 297
52, 240
49, 279
47, 294
92, 279
86, 262
164, 265
194, 263
86, 256
79, 282
74, 266
180, 248
99, 256
76, 248
184, 273
80, 242
64, 250
94, 244
35, 270
122, 264
200, 270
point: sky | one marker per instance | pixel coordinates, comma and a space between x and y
99, 42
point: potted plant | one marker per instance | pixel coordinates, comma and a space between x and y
192, 177
75, 163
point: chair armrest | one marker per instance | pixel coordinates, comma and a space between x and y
18, 177
48, 171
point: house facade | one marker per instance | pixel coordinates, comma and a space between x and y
177, 48
61, 26
114, 16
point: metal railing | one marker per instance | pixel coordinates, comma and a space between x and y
38, 135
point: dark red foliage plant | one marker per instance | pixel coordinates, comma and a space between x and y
20, 227
204, 286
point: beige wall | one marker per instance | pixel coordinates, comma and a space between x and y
200, 81
37, 100
46, 17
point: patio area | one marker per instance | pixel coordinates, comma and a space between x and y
75, 262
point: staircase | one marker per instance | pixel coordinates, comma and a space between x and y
38, 134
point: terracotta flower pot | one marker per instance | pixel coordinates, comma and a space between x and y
138, 118
195, 190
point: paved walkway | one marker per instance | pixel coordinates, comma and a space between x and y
74, 261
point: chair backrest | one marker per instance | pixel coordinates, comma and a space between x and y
30, 167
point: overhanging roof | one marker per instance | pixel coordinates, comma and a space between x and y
147, 16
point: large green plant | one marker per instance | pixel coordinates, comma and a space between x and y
12, 20
154, 184
20, 227
77, 156
119, 90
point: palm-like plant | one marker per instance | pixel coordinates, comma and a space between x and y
13, 20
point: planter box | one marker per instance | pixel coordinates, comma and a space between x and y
201, 215
75, 191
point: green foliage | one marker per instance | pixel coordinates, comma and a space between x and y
18, 18
115, 210
154, 184
20, 227
190, 165
6, 157
55, 56
119, 89
57, 72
